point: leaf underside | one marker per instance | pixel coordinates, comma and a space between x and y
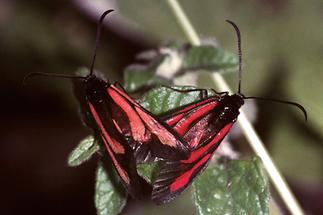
83, 152
108, 199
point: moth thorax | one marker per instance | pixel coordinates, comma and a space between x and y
234, 101
230, 107
95, 89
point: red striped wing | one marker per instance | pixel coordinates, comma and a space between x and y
175, 176
128, 131
174, 116
148, 135
201, 128
118, 150
192, 122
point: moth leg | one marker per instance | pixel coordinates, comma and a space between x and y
203, 92
219, 93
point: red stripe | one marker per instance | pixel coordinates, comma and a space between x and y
175, 117
138, 129
172, 121
122, 173
160, 131
124, 94
182, 180
194, 105
117, 126
115, 145
108, 141
183, 125
195, 155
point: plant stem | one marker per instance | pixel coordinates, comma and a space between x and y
248, 130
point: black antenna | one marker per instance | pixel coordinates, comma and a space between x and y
236, 28
239, 51
97, 39
30, 75
281, 101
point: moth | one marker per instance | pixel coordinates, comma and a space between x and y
124, 128
203, 125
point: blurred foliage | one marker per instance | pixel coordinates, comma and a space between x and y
209, 58
305, 153
138, 76
173, 61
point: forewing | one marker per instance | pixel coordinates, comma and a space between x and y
147, 134
174, 116
192, 122
117, 148
175, 176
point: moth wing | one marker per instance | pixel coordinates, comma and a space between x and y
118, 150
175, 176
148, 135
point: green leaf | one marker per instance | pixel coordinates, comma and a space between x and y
138, 76
83, 152
238, 187
108, 199
211, 58
147, 171
170, 61
162, 99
